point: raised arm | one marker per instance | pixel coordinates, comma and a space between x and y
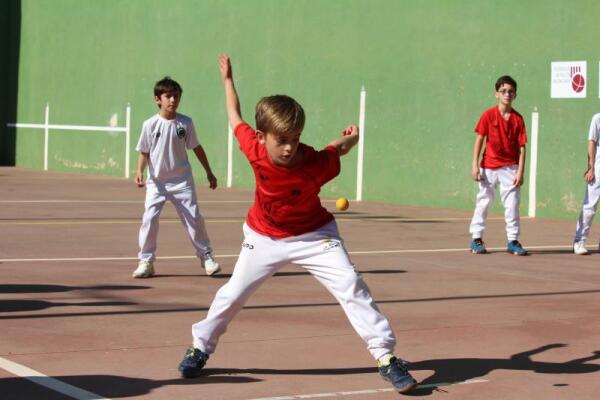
346, 142
232, 102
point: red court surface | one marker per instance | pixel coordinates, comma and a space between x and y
74, 324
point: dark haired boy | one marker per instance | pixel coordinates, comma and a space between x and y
163, 146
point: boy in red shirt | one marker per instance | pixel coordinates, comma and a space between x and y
502, 164
287, 224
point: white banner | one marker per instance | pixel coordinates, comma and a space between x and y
568, 80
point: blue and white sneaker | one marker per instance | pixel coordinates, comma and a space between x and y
478, 247
514, 247
397, 374
192, 363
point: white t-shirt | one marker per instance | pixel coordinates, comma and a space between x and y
595, 136
167, 142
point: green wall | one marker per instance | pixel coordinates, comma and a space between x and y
428, 66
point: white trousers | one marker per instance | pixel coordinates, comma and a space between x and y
186, 205
588, 210
321, 253
509, 194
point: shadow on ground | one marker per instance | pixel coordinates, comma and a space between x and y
43, 288
37, 305
445, 372
155, 310
305, 273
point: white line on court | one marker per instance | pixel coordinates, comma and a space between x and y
66, 221
366, 391
115, 201
46, 381
112, 222
374, 252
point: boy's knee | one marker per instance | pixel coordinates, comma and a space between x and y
349, 282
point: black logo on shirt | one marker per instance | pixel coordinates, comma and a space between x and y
248, 245
180, 130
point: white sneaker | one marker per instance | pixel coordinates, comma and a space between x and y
579, 248
145, 269
209, 264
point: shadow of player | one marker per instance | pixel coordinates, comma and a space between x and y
109, 386
462, 369
450, 370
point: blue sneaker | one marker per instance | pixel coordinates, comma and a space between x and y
477, 246
397, 374
514, 247
192, 363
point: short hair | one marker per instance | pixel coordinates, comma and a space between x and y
279, 114
166, 85
506, 79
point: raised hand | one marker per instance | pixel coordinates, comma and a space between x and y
225, 67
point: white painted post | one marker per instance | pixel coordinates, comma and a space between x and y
361, 144
535, 117
229, 156
127, 139
46, 135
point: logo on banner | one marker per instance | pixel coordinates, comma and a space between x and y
577, 80
568, 79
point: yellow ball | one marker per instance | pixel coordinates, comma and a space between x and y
342, 204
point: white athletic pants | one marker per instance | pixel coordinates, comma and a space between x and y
588, 210
186, 205
322, 254
509, 194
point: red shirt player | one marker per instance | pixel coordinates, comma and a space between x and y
288, 225
502, 165
286, 201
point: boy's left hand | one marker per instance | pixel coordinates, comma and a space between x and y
518, 180
212, 180
589, 176
139, 179
350, 130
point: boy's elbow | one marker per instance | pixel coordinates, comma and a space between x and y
343, 149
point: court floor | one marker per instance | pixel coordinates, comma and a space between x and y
74, 324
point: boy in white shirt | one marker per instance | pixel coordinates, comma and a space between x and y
163, 146
592, 191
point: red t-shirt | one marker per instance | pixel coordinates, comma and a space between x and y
503, 138
286, 201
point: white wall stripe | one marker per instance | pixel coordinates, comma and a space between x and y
229, 156
70, 127
46, 126
46, 381
361, 144
533, 156
127, 140
46, 135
